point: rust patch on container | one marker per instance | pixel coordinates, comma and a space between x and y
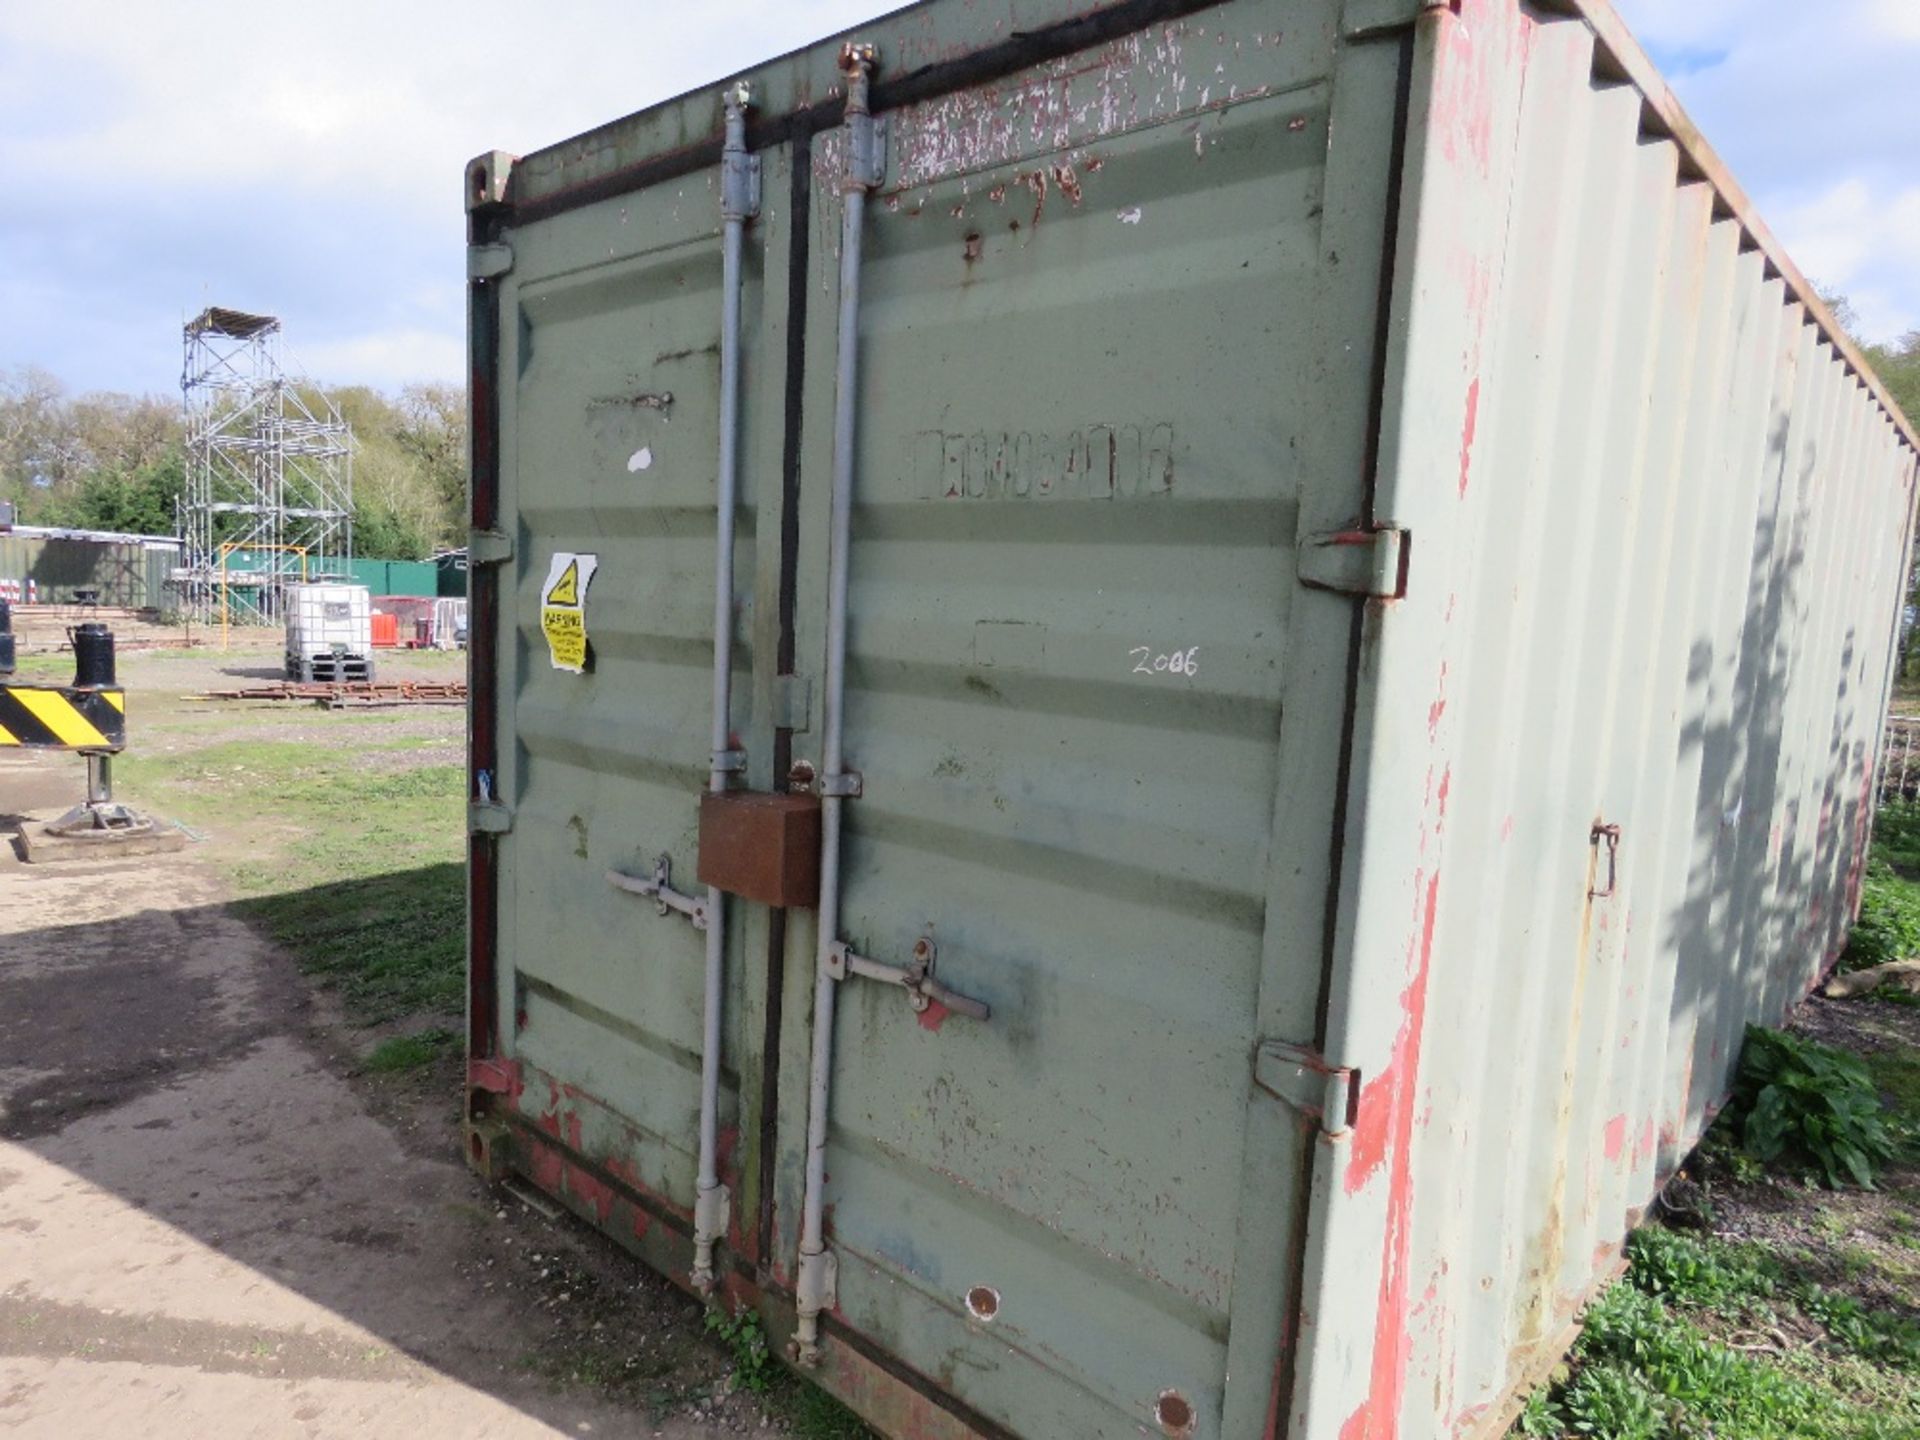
890, 1402
1174, 1414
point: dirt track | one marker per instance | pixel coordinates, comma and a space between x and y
208, 1228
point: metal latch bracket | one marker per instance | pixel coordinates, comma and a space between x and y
1368, 563
916, 979
489, 547
488, 817
489, 262
847, 785
1302, 1079
658, 888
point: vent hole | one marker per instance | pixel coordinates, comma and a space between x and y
983, 1302
1174, 1413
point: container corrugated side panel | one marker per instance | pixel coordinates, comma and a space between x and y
1659, 516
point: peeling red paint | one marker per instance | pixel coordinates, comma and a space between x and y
496, 1077
1462, 106
934, 1016
547, 1167
1616, 1136
1643, 1151
592, 1191
1466, 434
1386, 1119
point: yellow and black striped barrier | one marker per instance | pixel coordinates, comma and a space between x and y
61, 717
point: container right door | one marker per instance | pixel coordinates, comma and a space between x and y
1116, 348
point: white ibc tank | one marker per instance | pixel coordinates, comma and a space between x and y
329, 632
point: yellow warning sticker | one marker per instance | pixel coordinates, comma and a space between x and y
563, 609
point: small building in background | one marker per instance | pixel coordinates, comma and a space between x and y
52, 565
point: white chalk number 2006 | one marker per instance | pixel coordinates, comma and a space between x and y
1174, 662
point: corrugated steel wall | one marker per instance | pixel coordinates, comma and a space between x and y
1660, 523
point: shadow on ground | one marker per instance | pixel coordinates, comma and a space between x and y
199, 1191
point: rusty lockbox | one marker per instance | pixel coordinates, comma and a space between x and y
761, 846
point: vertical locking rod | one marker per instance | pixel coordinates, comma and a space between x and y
739, 199
814, 1285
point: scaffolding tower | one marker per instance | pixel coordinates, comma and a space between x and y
269, 484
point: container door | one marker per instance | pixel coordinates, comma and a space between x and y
1116, 340
610, 317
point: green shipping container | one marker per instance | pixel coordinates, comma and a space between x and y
1152, 687
56, 566
394, 577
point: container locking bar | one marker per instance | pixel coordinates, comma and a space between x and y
814, 1281
739, 203
916, 979
659, 889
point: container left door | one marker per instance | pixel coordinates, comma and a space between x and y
588, 1001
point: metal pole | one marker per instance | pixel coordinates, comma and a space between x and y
815, 1281
738, 202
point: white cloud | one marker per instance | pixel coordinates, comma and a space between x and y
1863, 242
1689, 24
305, 160
358, 93
1898, 18
384, 358
1810, 106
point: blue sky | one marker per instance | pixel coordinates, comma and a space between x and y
306, 160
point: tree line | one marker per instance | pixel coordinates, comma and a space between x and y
103, 461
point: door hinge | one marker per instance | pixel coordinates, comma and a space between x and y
488, 547
486, 262
1369, 563
488, 817
792, 703
1302, 1079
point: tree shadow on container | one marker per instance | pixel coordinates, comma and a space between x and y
1784, 743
